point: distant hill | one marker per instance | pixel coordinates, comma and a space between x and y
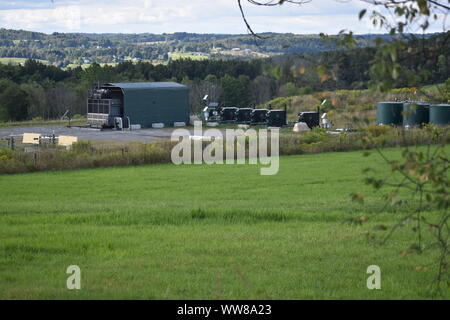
70, 49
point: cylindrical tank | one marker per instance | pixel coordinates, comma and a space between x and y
390, 113
415, 113
440, 114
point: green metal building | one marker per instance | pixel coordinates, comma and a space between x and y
143, 103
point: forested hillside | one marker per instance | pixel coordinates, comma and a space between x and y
64, 49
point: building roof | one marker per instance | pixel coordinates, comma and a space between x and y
146, 85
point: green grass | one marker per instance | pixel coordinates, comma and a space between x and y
203, 232
187, 55
16, 61
32, 123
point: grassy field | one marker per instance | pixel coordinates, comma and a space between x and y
32, 123
16, 61
203, 232
186, 55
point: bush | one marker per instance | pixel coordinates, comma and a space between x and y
82, 147
305, 90
6, 153
279, 102
315, 135
376, 131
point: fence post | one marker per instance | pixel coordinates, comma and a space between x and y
12, 143
35, 158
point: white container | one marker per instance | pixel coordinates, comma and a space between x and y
157, 125
212, 124
200, 138
301, 127
179, 124
135, 127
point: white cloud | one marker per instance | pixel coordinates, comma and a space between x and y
67, 18
201, 16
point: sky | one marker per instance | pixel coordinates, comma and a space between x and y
197, 16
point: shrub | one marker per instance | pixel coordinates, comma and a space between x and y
315, 135
82, 146
6, 153
279, 102
305, 90
376, 131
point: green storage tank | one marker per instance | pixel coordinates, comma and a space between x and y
440, 114
390, 113
415, 113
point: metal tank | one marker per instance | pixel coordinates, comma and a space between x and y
390, 113
440, 114
415, 113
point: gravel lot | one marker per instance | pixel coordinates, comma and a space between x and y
143, 135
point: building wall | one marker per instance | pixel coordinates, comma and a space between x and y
157, 105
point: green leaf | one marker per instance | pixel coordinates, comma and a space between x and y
362, 13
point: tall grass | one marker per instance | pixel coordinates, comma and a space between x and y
85, 154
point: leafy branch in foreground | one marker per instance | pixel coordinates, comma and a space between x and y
422, 174
401, 19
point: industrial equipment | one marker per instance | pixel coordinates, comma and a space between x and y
390, 113
228, 114
415, 114
259, 116
244, 115
325, 123
276, 118
440, 114
312, 119
103, 107
211, 112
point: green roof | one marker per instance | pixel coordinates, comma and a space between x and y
147, 85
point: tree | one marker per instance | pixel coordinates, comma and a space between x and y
235, 91
38, 99
211, 87
262, 89
14, 103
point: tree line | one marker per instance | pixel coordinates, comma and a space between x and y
64, 49
38, 90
